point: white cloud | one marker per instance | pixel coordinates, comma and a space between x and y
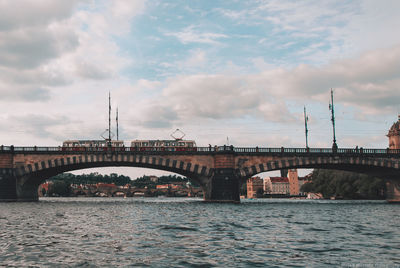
31, 47
196, 59
20, 14
191, 35
45, 44
260, 64
25, 93
213, 96
193, 63
340, 29
207, 97
369, 82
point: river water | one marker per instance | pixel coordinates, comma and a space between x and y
184, 232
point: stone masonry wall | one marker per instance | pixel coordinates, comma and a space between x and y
6, 161
224, 161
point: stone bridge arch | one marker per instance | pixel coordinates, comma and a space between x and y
29, 176
385, 168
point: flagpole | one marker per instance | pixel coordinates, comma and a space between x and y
117, 124
305, 125
332, 108
109, 119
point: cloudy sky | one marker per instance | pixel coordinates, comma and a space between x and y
214, 69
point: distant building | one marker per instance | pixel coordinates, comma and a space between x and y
105, 187
293, 178
163, 186
393, 192
276, 185
267, 185
394, 135
127, 186
154, 179
254, 186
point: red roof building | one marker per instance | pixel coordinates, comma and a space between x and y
276, 185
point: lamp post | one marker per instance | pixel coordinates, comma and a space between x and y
109, 119
305, 126
332, 108
116, 119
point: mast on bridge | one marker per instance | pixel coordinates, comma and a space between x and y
116, 119
332, 108
305, 125
110, 134
109, 119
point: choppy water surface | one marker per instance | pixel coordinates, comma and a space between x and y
189, 233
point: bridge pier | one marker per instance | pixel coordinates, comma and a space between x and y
8, 190
222, 186
27, 189
13, 188
393, 191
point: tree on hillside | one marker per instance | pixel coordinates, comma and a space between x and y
59, 188
344, 184
92, 178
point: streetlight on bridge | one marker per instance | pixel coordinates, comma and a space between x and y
305, 125
331, 107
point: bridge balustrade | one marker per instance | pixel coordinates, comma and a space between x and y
205, 149
24, 149
47, 149
194, 150
320, 150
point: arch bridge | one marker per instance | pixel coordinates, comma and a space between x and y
219, 170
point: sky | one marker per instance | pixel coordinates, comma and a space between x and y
237, 72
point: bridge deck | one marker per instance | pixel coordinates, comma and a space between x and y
202, 150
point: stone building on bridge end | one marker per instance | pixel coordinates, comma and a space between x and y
394, 135
393, 187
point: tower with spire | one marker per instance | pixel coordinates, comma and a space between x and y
394, 135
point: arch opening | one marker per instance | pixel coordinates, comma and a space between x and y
34, 179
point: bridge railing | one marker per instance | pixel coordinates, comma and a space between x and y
201, 150
34, 149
